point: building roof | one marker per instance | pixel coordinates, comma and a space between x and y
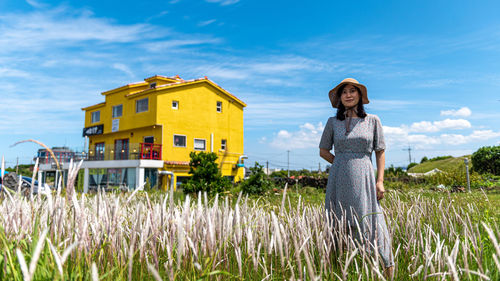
164, 78
179, 82
128, 86
94, 106
185, 83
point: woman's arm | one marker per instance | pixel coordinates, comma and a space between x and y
380, 157
327, 155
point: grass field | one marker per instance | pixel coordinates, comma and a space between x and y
451, 165
279, 236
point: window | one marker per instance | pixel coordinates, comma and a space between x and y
96, 116
223, 144
199, 144
179, 141
175, 104
117, 111
141, 105
219, 106
152, 85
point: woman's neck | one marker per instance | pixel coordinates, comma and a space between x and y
351, 112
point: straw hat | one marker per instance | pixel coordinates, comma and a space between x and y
335, 98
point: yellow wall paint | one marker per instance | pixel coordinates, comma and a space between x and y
196, 117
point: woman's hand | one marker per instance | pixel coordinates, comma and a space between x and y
380, 190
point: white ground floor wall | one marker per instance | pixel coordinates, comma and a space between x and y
138, 165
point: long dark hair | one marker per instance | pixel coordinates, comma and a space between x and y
341, 109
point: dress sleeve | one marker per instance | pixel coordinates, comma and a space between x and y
378, 136
327, 136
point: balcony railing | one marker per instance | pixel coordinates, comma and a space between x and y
132, 151
62, 157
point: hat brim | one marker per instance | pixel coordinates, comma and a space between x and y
335, 97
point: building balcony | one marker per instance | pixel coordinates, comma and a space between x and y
125, 151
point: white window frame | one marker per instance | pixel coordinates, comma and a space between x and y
137, 108
223, 146
219, 106
204, 144
176, 102
185, 140
113, 111
93, 119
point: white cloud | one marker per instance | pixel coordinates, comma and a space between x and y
401, 136
207, 22
307, 136
9, 72
436, 126
462, 112
35, 4
437, 83
223, 2
125, 69
66, 27
164, 45
268, 110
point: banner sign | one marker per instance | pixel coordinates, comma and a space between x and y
115, 125
94, 130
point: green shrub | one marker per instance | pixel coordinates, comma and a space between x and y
424, 159
394, 172
258, 182
206, 176
411, 165
487, 160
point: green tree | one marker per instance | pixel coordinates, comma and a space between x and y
206, 176
487, 160
424, 159
258, 182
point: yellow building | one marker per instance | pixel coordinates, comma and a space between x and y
143, 132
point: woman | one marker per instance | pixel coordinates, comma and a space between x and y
352, 192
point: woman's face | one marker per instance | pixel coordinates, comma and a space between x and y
349, 96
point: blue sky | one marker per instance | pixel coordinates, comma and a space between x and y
431, 68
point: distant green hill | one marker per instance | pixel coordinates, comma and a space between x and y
446, 165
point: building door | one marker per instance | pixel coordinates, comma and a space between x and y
99, 151
121, 149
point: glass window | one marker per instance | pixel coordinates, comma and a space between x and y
219, 106
95, 116
175, 104
179, 141
117, 111
223, 144
141, 105
199, 144
152, 85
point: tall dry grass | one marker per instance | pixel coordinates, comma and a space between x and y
135, 236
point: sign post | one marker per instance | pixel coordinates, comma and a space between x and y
467, 170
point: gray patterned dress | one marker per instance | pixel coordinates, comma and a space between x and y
351, 184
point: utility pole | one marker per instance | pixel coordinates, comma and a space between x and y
17, 166
409, 153
288, 163
267, 168
319, 167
